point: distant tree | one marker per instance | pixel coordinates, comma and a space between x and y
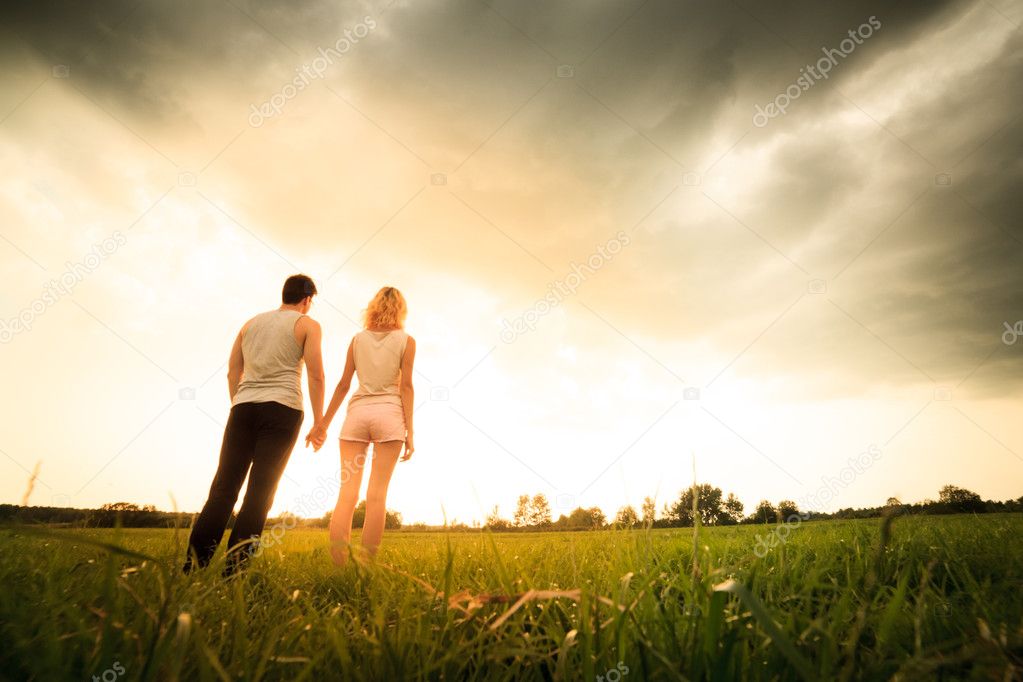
649, 510
960, 499
540, 511
392, 520
626, 517
522, 511
731, 510
581, 518
786, 509
893, 502
578, 518
121, 507
322, 521
666, 516
359, 515
708, 505
764, 513
495, 522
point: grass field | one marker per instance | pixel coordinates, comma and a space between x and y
936, 598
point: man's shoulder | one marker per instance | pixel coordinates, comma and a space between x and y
249, 322
260, 316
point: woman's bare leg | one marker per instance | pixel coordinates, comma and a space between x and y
353, 460
385, 457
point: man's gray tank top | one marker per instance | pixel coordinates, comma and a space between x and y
273, 361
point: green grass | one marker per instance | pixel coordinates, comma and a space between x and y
940, 598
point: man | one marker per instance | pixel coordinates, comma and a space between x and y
264, 378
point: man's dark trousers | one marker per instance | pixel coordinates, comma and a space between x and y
258, 441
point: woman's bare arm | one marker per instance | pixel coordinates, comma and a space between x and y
318, 434
408, 393
343, 387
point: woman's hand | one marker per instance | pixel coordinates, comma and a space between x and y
409, 448
317, 436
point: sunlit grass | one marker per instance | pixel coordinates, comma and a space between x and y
941, 596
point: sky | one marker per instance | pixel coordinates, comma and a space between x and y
776, 248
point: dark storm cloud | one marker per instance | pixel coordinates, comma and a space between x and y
655, 84
138, 56
938, 287
671, 55
675, 69
811, 25
942, 283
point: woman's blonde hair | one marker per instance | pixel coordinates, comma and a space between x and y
387, 310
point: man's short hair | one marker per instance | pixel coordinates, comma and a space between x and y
296, 288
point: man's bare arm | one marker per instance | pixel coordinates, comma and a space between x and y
235, 365
313, 354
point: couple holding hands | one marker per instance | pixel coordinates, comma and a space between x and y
264, 380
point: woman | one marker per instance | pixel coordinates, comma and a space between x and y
380, 412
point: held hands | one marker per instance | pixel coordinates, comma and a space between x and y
409, 447
317, 436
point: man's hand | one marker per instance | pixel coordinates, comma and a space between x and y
409, 448
317, 437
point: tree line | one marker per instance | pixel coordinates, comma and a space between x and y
125, 514
708, 505
130, 515
701, 502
